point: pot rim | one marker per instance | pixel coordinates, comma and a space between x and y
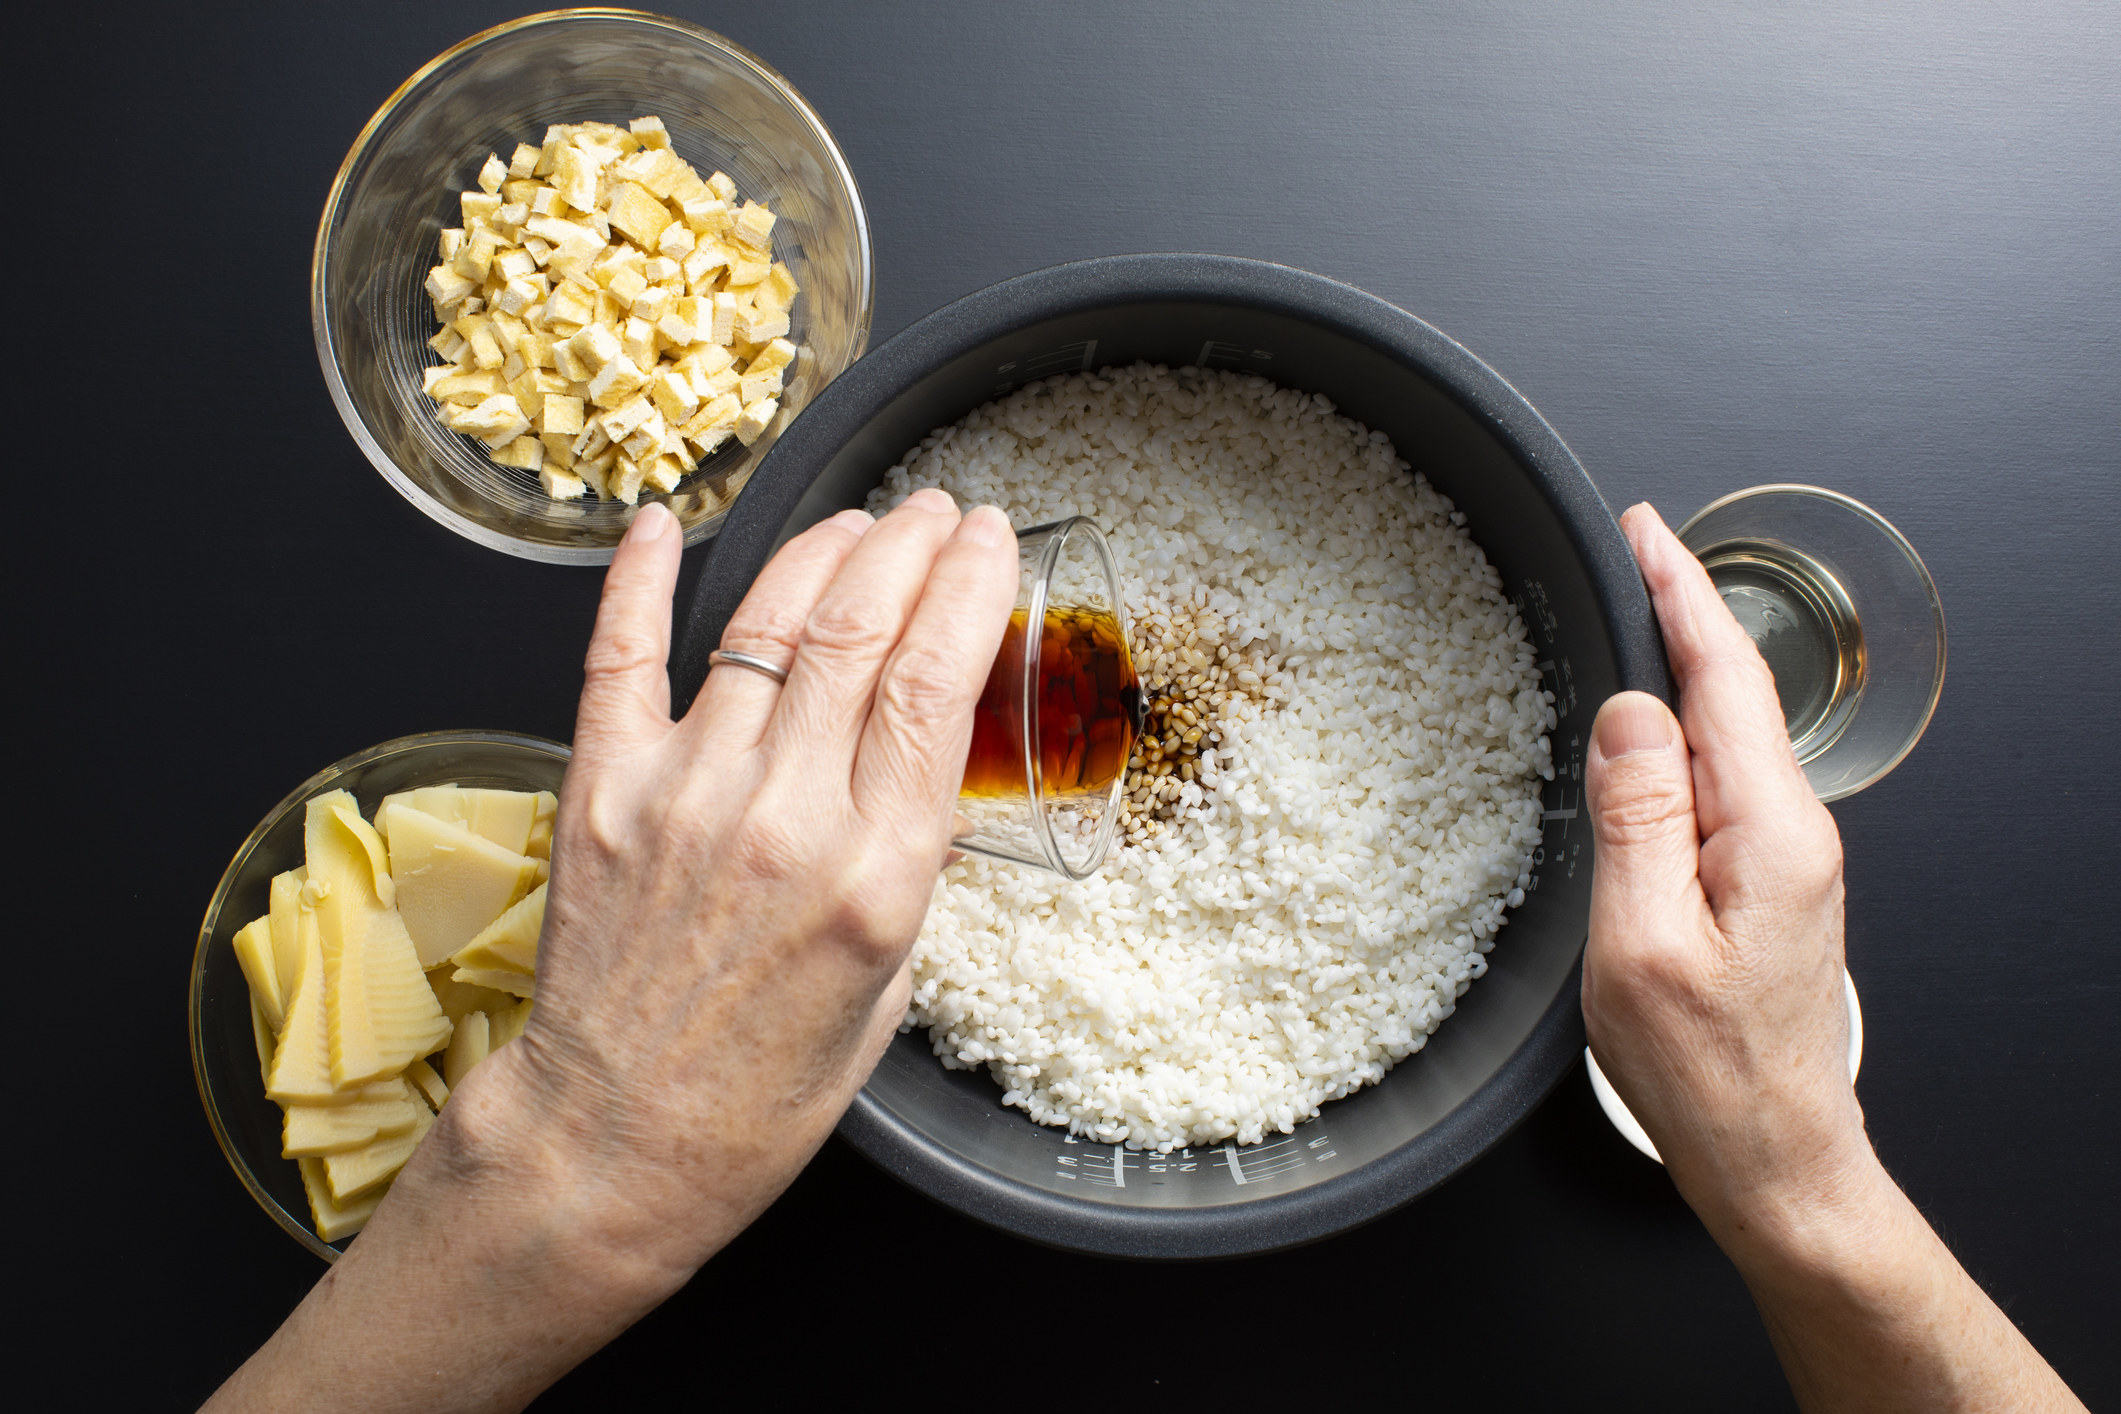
753, 529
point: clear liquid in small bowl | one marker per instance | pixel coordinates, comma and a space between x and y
1802, 620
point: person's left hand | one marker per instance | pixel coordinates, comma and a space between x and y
732, 902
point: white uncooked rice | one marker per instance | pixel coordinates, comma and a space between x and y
1342, 865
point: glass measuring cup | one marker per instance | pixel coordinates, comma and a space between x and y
1059, 713
1848, 619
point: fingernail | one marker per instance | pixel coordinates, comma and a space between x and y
986, 525
856, 521
1632, 722
932, 498
652, 523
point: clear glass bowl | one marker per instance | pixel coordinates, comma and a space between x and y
397, 191
224, 1055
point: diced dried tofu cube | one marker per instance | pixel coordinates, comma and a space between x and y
511, 264
592, 442
703, 358
560, 414
615, 381
708, 216
496, 421
778, 353
595, 346
662, 473
637, 339
748, 267
723, 327
624, 480
646, 440
555, 139
762, 326
446, 286
477, 206
539, 250
559, 450
674, 394
756, 418
676, 242
610, 309
781, 280
627, 285
561, 485
574, 175
564, 234
431, 376
595, 470
661, 270
753, 225
713, 385
719, 412
722, 186
519, 192
528, 395
637, 211
653, 303
519, 295
470, 388
569, 362
524, 162
569, 303
675, 330
650, 131
492, 174
485, 350
526, 452
546, 202
712, 437
452, 241
474, 260
755, 386
511, 216
666, 172
622, 421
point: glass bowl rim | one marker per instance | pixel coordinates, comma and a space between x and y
323, 332
195, 1001
1899, 542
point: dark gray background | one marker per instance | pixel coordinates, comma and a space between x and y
1876, 249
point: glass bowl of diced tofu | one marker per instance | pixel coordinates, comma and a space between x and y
372, 941
582, 260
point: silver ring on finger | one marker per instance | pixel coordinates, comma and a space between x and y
747, 660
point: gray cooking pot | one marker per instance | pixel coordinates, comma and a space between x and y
1564, 563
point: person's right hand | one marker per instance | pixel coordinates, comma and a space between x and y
1712, 984
1712, 991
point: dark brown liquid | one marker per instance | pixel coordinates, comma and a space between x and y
1088, 706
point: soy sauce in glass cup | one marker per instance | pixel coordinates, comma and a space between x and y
1059, 714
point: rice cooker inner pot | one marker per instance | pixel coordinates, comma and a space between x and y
1563, 562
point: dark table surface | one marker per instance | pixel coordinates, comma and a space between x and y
1876, 248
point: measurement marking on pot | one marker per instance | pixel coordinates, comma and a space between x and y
1264, 1161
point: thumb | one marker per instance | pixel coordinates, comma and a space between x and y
625, 684
1640, 785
